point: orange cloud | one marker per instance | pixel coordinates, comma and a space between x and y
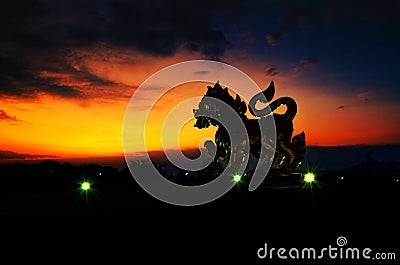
7, 118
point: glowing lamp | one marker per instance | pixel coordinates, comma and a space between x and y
237, 178
85, 186
309, 177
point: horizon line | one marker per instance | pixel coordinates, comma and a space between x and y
39, 157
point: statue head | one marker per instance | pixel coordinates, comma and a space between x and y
207, 107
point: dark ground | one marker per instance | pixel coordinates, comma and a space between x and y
124, 225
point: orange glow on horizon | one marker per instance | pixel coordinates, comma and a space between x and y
92, 125
63, 128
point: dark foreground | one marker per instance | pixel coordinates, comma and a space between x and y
125, 225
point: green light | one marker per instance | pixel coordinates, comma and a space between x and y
309, 177
237, 178
85, 186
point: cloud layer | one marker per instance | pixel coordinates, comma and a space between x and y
40, 38
271, 71
5, 117
8, 155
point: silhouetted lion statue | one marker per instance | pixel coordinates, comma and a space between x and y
289, 151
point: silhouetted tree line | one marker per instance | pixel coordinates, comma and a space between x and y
185, 177
56, 176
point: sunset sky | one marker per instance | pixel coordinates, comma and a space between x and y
69, 68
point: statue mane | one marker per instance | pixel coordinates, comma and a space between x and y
218, 92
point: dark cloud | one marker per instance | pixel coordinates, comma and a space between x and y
273, 38
42, 35
271, 71
295, 69
308, 62
157, 27
201, 72
8, 155
304, 63
363, 96
244, 53
248, 36
300, 16
26, 77
5, 117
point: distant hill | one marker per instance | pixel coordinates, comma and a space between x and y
339, 157
332, 157
391, 168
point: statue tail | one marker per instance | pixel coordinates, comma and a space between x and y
290, 104
265, 97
